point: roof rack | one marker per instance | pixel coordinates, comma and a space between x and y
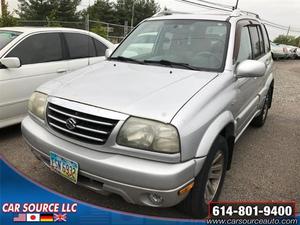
234, 13
237, 12
167, 12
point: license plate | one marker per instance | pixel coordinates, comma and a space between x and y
65, 167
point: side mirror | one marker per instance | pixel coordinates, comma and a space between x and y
250, 68
108, 52
11, 62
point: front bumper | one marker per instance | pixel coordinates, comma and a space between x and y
132, 178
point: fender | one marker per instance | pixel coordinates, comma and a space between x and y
212, 132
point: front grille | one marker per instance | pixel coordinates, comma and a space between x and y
87, 128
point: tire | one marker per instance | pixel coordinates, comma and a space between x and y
260, 120
196, 203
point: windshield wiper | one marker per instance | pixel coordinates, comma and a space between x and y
125, 59
172, 64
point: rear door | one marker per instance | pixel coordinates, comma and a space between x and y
42, 59
100, 51
83, 50
80, 49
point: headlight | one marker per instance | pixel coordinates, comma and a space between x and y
149, 135
37, 104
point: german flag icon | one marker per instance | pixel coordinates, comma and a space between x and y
46, 217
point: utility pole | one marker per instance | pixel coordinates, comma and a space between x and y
287, 34
132, 14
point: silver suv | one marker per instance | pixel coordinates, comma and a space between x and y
157, 121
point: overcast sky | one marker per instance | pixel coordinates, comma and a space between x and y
284, 12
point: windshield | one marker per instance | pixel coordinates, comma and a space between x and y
195, 43
6, 37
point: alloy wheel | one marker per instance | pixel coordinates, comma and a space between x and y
214, 177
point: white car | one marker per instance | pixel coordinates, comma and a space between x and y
279, 51
298, 52
31, 56
292, 54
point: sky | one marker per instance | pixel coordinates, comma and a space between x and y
284, 12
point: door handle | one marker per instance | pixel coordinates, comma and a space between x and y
61, 71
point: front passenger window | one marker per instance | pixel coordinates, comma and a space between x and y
245, 50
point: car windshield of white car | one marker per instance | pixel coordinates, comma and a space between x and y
188, 44
6, 37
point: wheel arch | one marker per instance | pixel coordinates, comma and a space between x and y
223, 125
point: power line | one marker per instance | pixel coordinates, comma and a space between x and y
217, 4
203, 5
293, 29
223, 7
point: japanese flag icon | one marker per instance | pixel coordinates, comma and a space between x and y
33, 217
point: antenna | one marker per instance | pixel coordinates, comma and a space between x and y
237, 4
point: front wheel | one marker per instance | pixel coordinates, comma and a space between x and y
208, 183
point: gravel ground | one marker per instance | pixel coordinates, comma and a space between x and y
265, 166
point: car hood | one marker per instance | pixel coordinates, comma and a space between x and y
153, 92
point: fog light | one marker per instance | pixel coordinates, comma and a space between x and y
156, 198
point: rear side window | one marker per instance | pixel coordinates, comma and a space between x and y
255, 41
245, 50
80, 45
266, 39
100, 48
261, 41
39, 48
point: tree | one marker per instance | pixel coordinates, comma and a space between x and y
118, 12
62, 10
100, 30
102, 10
287, 40
34, 9
6, 19
144, 9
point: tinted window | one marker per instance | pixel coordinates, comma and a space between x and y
100, 48
255, 41
261, 40
266, 39
245, 51
39, 48
80, 45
